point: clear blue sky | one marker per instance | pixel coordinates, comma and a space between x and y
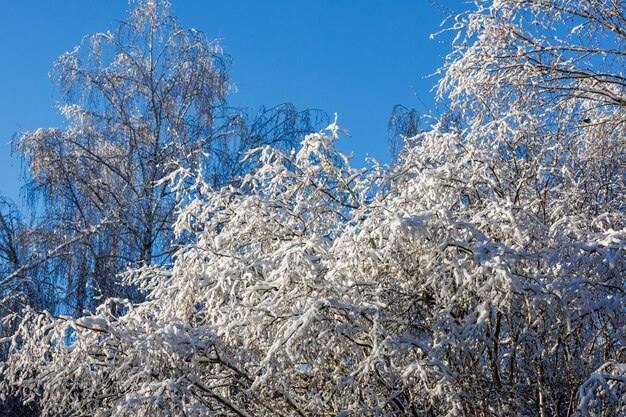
357, 58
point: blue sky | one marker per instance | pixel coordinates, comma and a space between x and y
357, 58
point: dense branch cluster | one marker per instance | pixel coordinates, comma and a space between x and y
314, 288
482, 274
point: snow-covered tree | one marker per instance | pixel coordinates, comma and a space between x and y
140, 100
314, 288
481, 275
543, 83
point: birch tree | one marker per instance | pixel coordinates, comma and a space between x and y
140, 100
